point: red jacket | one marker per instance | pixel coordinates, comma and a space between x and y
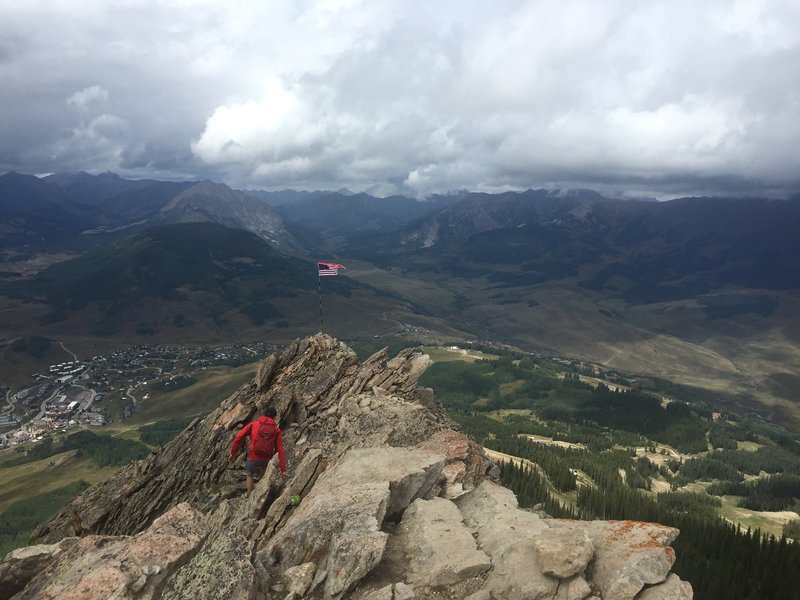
252, 429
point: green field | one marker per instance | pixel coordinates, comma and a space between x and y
22, 481
19, 519
767, 521
450, 353
211, 388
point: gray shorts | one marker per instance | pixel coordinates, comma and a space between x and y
255, 467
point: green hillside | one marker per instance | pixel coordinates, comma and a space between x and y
570, 444
201, 277
159, 261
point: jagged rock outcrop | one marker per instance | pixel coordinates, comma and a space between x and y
396, 504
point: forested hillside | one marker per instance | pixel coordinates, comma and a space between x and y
572, 446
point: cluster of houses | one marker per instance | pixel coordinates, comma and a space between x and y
57, 418
67, 393
60, 413
8, 420
66, 371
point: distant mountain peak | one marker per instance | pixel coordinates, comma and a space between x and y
217, 203
480, 212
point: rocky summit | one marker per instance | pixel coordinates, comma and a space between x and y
396, 504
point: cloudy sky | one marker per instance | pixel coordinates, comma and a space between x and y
656, 97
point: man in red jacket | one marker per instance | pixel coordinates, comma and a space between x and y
265, 439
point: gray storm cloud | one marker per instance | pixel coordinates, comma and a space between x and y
408, 96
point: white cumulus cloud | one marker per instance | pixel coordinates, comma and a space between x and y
408, 95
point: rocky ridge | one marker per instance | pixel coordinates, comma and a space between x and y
396, 505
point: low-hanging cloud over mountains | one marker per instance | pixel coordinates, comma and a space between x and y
652, 98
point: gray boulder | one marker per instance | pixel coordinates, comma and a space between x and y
433, 547
629, 555
507, 535
672, 589
563, 551
339, 522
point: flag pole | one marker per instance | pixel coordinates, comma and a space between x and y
325, 269
319, 291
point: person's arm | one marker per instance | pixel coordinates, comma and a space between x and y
281, 453
238, 440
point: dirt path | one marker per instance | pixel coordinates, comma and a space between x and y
68, 351
568, 499
502, 456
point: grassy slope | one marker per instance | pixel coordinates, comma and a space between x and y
188, 284
47, 474
16, 367
749, 360
213, 386
769, 521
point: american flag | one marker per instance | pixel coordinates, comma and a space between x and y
327, 269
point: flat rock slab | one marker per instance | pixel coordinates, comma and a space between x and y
122, 567
221, 569
338, 524
491, 512
410, 473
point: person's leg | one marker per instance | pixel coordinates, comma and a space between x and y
250, 469
253, 468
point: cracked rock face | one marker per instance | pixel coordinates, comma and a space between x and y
397, 504
99, 566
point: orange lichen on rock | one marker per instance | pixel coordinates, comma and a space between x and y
235, 414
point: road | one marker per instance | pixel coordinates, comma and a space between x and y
43, 405
131, 396
8, 400
85, 406
398, 325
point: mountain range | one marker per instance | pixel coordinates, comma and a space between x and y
700, 290
62, 211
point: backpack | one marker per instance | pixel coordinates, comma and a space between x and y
262, 439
